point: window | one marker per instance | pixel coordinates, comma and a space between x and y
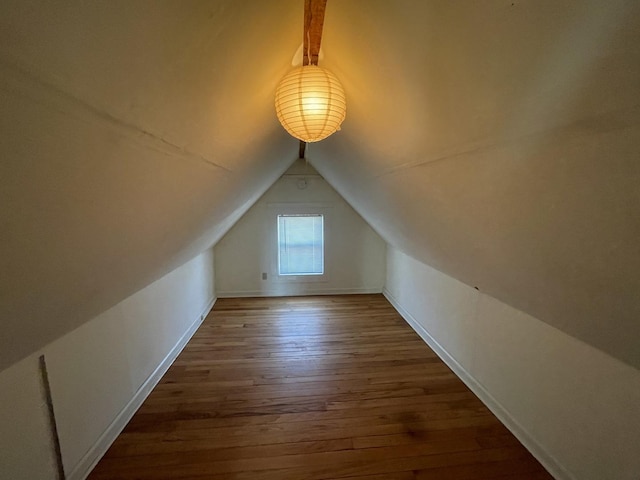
301, 244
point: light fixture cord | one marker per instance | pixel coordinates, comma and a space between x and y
308, 48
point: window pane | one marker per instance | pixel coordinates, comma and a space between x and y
300, 245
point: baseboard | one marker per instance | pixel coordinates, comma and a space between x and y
279, 293
96, 452
547, 460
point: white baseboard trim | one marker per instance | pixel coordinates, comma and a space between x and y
275, 293
96, 452
547, 460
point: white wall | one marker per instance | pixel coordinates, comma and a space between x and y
576, 408
354, 253
99, 374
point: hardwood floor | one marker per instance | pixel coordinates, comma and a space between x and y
312, 388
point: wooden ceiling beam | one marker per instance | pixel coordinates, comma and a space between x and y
312, 35
312, 38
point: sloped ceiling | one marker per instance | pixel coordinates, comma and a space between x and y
496, 141
499, 142
134, 134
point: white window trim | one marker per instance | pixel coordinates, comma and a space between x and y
281, 221
275, 209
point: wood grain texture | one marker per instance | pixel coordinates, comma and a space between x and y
313, 388
313, 23
311, 41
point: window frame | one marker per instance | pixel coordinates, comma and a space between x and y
277, 209
280, 242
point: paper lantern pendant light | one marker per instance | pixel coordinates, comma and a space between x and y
310, 103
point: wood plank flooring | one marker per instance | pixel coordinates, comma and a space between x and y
311, 388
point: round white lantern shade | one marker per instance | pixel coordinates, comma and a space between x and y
310, 103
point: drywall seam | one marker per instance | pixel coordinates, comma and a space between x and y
35, 86
276, 293
96, 452
480, 147
537, 450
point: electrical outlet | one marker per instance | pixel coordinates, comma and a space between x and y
264, 275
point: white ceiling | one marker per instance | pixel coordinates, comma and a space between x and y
496, 141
